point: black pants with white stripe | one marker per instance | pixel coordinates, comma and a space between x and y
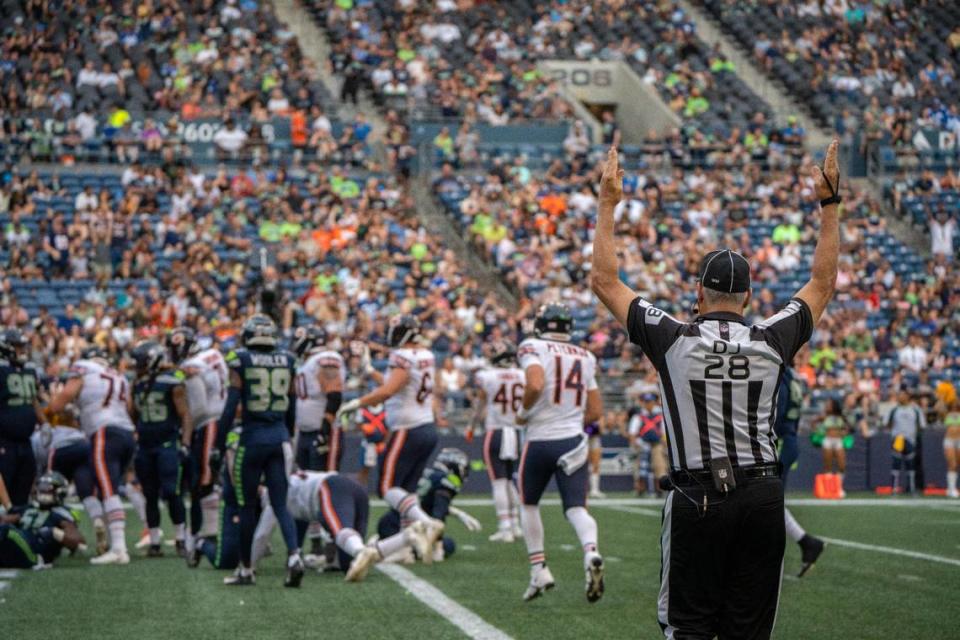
722, 566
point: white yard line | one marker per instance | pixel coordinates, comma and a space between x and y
7, 574
640, 511
472, 625
892, 551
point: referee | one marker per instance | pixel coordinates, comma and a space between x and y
723, 535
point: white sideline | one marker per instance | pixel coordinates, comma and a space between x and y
933, 503
472, 625
653, 513
893, 551
4, 585
7, 574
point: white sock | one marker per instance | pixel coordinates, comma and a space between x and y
93, 507
210, 508
389, 546
117, 520
952, 480
594, 482
139, 502
155, 534
895, 475
585, 526
514, 502
407, 504
794, 530
501, 502
533, 535
181, 531
911, 478
350, 541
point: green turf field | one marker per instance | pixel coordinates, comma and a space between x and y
852, 593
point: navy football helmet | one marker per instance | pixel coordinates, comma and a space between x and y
13, 346
453, 461
402, 329
306, 338
553, 318
259, 332
181, 343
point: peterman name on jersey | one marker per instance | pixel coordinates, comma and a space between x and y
412, 406
103, 399
504, 391
311, 400
207, 381
569, 373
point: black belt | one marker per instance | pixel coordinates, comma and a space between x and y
703, 477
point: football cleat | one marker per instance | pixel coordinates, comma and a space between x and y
594, 571
111, 557
295, 571
155, 551
810, 550
433, 529
597, 495
239, 579
144, 540
953, 493
541, 580
181, 548
100, 532
362, 563
517, 530
504, 535
416, 535
438, 552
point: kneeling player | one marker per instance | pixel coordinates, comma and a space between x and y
164, 429
33, 536
342, 507
440, 484
223, 551
559, 396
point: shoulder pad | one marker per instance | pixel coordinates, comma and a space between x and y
64, 513
180, 375
170, 378
233, 359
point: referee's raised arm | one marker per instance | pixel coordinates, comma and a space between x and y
604, 279
823, 276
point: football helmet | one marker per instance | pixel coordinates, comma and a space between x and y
306, 338
259, 332
453, 461
13, 346
553, 318
503, 353
402, 329
51, 490
94, 352
182, 343
148, 357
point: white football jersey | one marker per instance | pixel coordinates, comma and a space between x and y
311, 400
207, 387
103, 398
504, 391
569, 373
48, 439
303, 494
412, 406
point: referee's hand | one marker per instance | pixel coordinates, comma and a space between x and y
827, 179
611, 180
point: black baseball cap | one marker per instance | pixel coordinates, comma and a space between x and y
725, 270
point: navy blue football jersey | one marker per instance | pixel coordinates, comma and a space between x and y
38, 525
157, 419
265, 393
18, 392
437, 489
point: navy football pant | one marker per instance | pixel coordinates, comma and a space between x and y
538, 463
408, 451
73, 461
15, 551
158, 470
18, 468
266, 461
225, 552
110, 455
343, 505
309, 460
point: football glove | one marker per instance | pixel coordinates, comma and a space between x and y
321, 443
347, 408
471, 523
184, 453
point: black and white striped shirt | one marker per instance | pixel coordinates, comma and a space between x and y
719, 379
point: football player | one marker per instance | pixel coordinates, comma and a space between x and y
206, 383
33, 536
223, 552
500, 392
342, 506
19, 416
262, 384
560, 396
319, 383
407, 393
100, 393
65, 450
440, 484
164, 430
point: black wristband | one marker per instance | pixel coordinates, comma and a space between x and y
834, 199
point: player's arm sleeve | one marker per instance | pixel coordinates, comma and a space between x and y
788, 330
291, 415
652, 329
442, 498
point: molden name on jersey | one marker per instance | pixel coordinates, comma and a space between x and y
268, 359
